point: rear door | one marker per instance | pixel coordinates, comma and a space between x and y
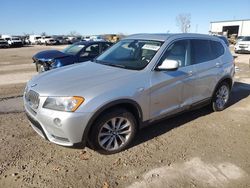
171, 91
208, 67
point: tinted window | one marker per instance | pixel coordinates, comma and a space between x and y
73, 49
105, 46
178, 51
200, 51
217, 49
91, 51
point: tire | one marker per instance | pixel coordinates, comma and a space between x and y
106, 139
221, 97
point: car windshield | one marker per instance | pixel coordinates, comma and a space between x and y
246, 39
73, 49
130, 54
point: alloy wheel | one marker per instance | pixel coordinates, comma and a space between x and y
222, 96
114, 133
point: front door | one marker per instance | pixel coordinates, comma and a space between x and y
172, 91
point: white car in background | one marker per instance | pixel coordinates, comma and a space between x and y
243, 46
47, 40
34, 39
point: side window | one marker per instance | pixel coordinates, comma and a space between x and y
200, 51
178, 51
217, 49
91, 51
105, 46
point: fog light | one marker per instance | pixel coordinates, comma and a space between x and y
57, 121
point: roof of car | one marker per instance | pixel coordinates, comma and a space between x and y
164, 36
89, 42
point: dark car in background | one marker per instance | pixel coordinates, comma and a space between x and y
224, 39
75, 53
3, 43
61, 39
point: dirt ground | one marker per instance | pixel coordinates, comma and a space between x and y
196, 149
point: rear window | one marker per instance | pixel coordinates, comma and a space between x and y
217, 49
205, 50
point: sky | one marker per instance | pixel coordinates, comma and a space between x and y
94, 17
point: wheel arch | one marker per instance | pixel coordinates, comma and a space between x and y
226, 79
128, 104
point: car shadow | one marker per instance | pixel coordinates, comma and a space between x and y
239, 92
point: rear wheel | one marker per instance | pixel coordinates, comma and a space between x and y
113, 131
221, 97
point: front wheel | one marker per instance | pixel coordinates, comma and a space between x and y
221, 97
113, 131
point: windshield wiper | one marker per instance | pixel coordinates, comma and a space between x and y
115, 65
109, 64
97, 61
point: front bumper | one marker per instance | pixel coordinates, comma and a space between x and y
3, 45
70, 131
245, 49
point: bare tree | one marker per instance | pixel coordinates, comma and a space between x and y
74, 33
43, 34
183, 21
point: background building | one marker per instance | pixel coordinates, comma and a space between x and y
231, 27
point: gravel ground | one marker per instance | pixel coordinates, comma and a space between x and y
196, 149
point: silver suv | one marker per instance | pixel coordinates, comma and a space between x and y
139, 80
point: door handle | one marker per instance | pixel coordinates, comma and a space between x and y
190, 73
217, 64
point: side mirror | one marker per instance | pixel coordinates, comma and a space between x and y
168, 64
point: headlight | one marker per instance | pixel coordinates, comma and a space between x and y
55, 63
68, 104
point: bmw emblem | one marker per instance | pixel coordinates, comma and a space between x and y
33, 85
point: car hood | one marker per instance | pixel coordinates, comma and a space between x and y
77, 79
49, 54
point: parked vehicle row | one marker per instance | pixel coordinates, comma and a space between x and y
11, 41
55, 40
137, 81
18, 41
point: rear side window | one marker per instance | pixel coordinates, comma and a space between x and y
200, 51
217, 49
